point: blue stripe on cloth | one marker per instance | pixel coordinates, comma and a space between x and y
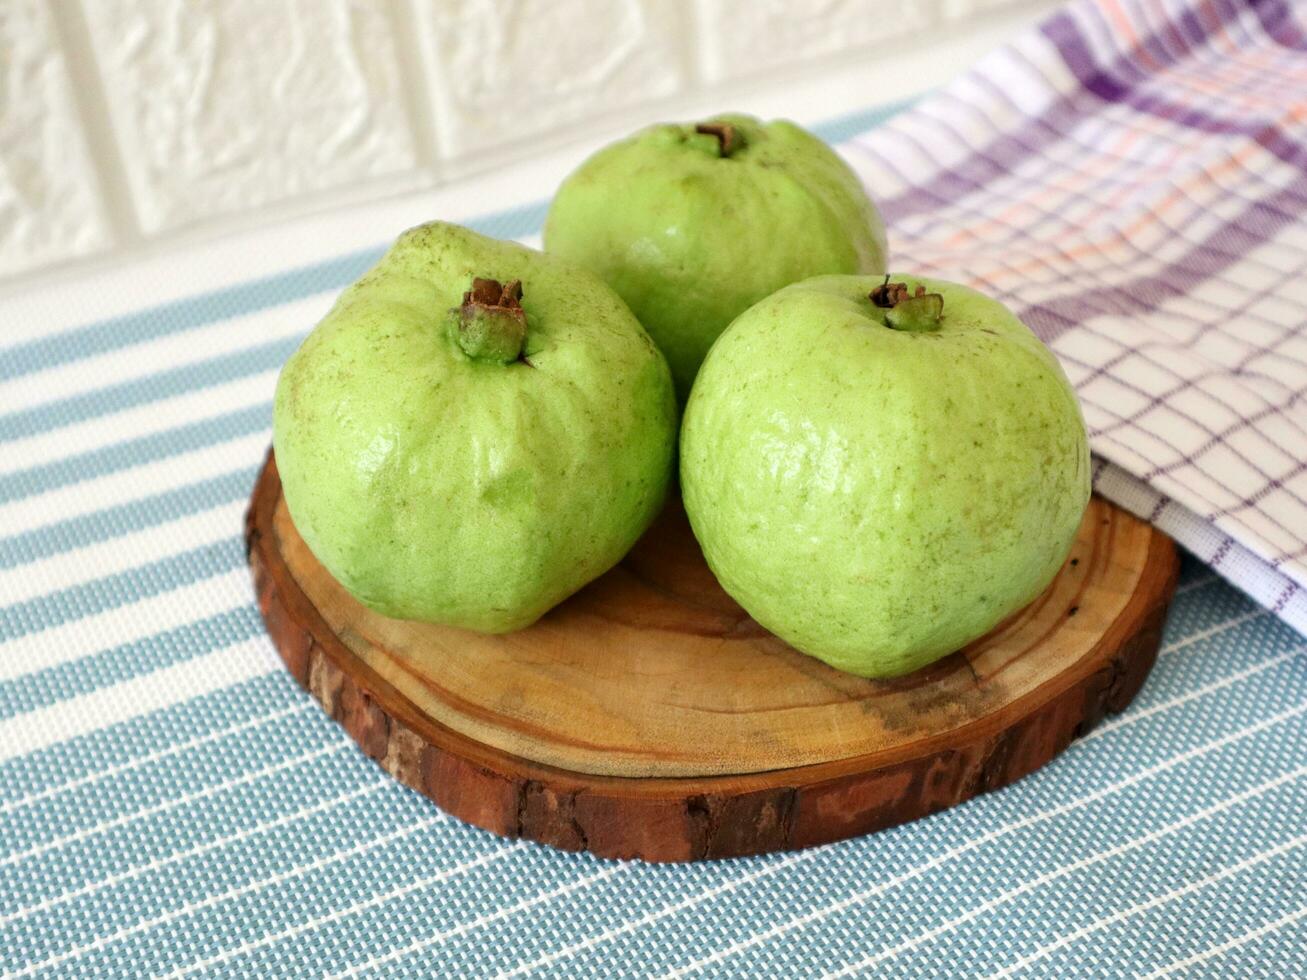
120, 588
1101, 885
31, 691
140, 451
369, 813
1211, 607
233, 752
1274, 947
168, 383
299, 781
127, 518
431, 851
129, 743
899, 914
1215, 910
101, 337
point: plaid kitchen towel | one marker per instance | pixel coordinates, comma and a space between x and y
1130, 178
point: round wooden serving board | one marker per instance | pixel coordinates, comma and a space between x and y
648, 716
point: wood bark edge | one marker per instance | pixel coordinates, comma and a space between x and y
699, 818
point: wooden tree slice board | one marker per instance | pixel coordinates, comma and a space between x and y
649, 717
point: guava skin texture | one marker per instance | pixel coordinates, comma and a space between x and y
472, 492
881, 497
691, 238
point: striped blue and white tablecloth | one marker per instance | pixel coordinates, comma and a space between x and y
171, 803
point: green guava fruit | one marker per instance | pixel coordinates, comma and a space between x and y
475, 431
880, 472
693, 224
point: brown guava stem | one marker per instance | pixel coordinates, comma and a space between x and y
491, 322
913, 312
729, 139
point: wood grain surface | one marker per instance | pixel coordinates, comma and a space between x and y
649, 717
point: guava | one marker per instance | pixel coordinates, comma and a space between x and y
880, 472
693, 224
474, 431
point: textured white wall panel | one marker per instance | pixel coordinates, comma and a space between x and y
135, 124
975, 9
745, 37
49, 195
502, 71
226, 106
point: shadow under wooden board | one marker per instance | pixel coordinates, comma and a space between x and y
649, 717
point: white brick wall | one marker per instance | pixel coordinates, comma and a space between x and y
223, 105
750, 37
503, 72
127, 123
49, 198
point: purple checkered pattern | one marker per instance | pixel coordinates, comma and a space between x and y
1132, 180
